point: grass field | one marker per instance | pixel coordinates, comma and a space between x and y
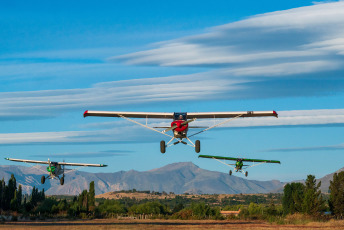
165, 224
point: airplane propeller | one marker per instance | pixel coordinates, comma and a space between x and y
49, 165
175, 126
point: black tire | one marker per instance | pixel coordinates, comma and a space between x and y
162, 147
43, 179
198, 146
230, 172
62, 180
246, 174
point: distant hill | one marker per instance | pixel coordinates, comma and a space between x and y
325, 181
184, 177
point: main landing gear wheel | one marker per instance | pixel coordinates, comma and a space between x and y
162, 147
230, 172
197, 146
62, 180
42, 179
246, 173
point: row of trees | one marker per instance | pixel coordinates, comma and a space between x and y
307, 198
297, 198
303, 198
12, 198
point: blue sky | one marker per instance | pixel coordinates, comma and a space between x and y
59, 59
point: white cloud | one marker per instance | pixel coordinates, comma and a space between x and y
309, 37
45, 103
113, 135
312, 148
303, 43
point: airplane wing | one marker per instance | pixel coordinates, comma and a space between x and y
190, 115
28, 161
82, 164
128, 114
218, 157
243, 159
233, 114
260, 160
52, 162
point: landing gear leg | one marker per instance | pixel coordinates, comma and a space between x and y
197, 146
246, 174
62, 180
162, 147
43, 179
230, 172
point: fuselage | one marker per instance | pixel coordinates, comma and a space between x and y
238, 165
181, 130
54, 169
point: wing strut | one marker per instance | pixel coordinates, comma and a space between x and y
214, 126
223, 163
36, 166
256, 164
146, 126
73, 170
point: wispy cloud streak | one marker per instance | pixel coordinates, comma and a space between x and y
312, 33
112, 132
108, 153
313, 148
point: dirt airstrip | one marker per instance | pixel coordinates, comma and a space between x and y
165, 224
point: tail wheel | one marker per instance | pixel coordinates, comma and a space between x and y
62, 180
197, 146
43, 179
230, 172
162, 147
246, 173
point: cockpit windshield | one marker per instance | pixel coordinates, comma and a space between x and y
179, 116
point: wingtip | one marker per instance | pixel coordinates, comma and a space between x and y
275, 113
6, 158
85, 113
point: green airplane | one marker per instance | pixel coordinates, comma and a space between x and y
239, 164
56, 170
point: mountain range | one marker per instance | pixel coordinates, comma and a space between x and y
183, 177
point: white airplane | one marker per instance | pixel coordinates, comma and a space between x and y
180, 123
54, 169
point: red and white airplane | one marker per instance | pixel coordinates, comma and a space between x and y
180, 123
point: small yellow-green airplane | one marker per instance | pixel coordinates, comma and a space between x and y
239, 164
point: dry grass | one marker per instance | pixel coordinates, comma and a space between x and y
166, 224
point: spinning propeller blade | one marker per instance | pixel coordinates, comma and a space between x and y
49, 166
175, 126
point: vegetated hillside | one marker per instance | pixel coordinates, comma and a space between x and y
184, 177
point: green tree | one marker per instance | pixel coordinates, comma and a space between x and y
292, 200
14, 202
271, 210
19, 195
313, 202
83, 201
255, 210
336, 200
2, 193
91, 196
